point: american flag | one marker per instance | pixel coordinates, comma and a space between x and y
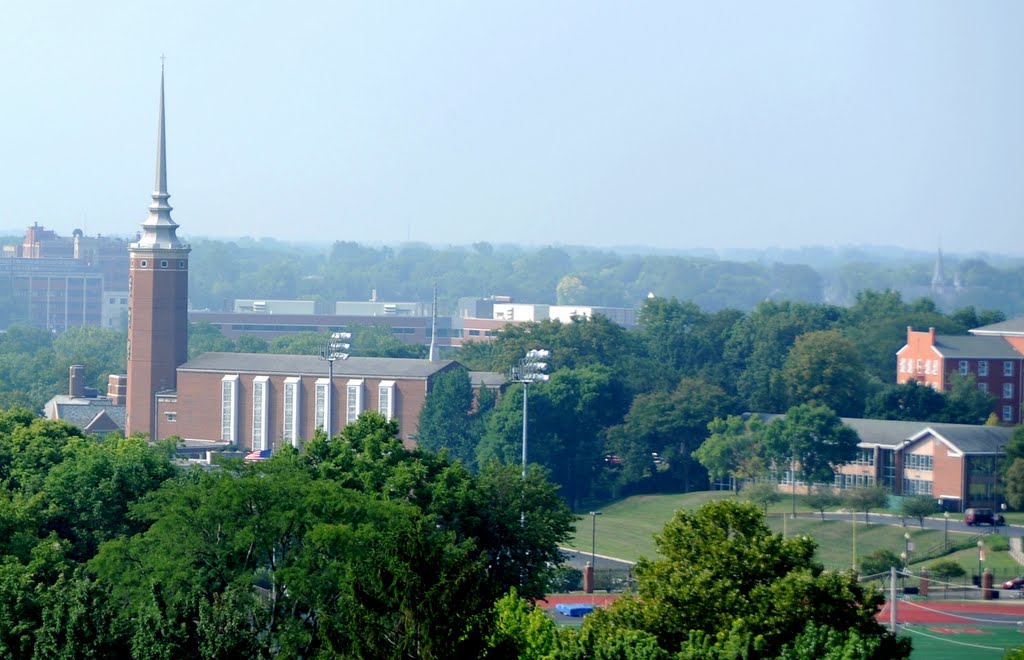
258, 455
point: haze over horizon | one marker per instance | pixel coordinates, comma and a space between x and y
678, 125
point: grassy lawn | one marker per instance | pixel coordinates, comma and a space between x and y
626, 528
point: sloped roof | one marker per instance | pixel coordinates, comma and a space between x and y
972, 346
311, 365
973, 439
489, 378
892, 434
1012, 327
92, 415
966, 438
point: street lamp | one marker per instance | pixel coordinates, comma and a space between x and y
332, 349
945, 537
593, 537
981, 556
529, 369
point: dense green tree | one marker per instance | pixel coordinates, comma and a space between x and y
566, 418
965, 403
734, 449
1015, 484
102, 351
203, 337
759, 343
918, 506
812, 440
661, 431
447, 420
879, 561
762, 493
822, 497
908, 401
823, 368
725, 586
866, 499
379, 341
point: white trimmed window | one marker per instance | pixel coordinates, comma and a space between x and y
229, 408
1007, 413
982, 367
1007, 390
964, 367
935, 368
354, 397
260, 390
983, 387
903, 365
322, 415
1007, 367
292, 405
386, 399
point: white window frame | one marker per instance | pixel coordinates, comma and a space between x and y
291, 406
386, 399
260, 396
229, 408
1007, 413
1007, 390
964, 367
1007, 368
353, 400
983, 367
983, 387
322, 414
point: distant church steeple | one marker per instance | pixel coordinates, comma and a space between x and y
939, 276
157, 303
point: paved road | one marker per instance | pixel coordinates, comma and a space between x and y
955, 524
578, 559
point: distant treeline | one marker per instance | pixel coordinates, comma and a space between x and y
223, 271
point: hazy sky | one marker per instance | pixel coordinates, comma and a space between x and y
665, 123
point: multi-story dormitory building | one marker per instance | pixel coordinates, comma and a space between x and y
993, 355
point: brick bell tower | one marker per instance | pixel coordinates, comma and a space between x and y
157, 302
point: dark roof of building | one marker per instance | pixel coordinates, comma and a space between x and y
891, 434
92, 415
972, 346
1012, 327
968, 438
311, 365
488, 378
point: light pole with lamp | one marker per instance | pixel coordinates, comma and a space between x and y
529, 369
945, 536
593, 537
331, 350
981, 557
906, 550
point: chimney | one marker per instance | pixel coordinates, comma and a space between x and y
117, 389
76, 380
931, 336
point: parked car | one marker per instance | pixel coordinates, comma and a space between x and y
983, 517
1015, 583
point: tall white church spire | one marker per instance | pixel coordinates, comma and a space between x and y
158, 231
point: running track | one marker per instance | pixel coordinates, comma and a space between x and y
907, 611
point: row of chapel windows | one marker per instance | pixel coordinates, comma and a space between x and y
907, 366
291, 396
144, 263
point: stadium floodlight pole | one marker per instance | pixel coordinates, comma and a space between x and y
593, 537
333, 349
529, 369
